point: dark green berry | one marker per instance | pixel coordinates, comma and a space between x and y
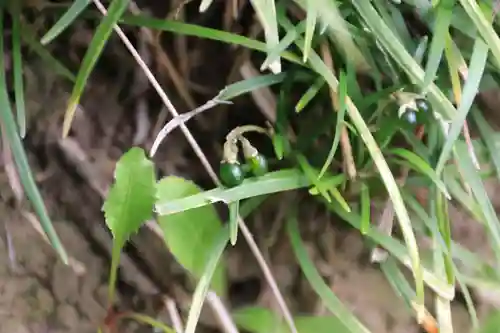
422, 105
258, 165
231, 174
411, 115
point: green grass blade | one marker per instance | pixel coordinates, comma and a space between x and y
272, 182
103, 32
342, 92
324, 292
392, 188
23, 168
234, 208
390, 42
471, 87
420, 165
310, 94
488, 136
204, 5
365, 209
395, 248
331, 16
476, 185
204, 283
17, 62
76, 8
32, 41
440, 31
311, 19
249, 85
483, 26
274, 54
266, 12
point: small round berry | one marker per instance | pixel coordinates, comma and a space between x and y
231, 174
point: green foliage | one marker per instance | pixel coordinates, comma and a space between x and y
452, 54
131, 198
262, 320
189, 234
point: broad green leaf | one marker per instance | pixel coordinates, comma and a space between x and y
262, 320
215, 249
66, 19
23, 168
101, 36
131, 198
190, 234
17, 63
331, 301
272, 182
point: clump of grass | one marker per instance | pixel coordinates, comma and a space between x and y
391, 84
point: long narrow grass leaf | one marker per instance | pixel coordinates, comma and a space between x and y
18, 67
103, 32
69, 16
440, 31
23, 168
324, 292
476, 69
278, 181
205, 280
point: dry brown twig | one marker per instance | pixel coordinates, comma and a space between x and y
192, 141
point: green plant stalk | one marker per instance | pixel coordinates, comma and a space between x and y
113, 272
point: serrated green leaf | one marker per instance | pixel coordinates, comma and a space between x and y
189, 234
131, 198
